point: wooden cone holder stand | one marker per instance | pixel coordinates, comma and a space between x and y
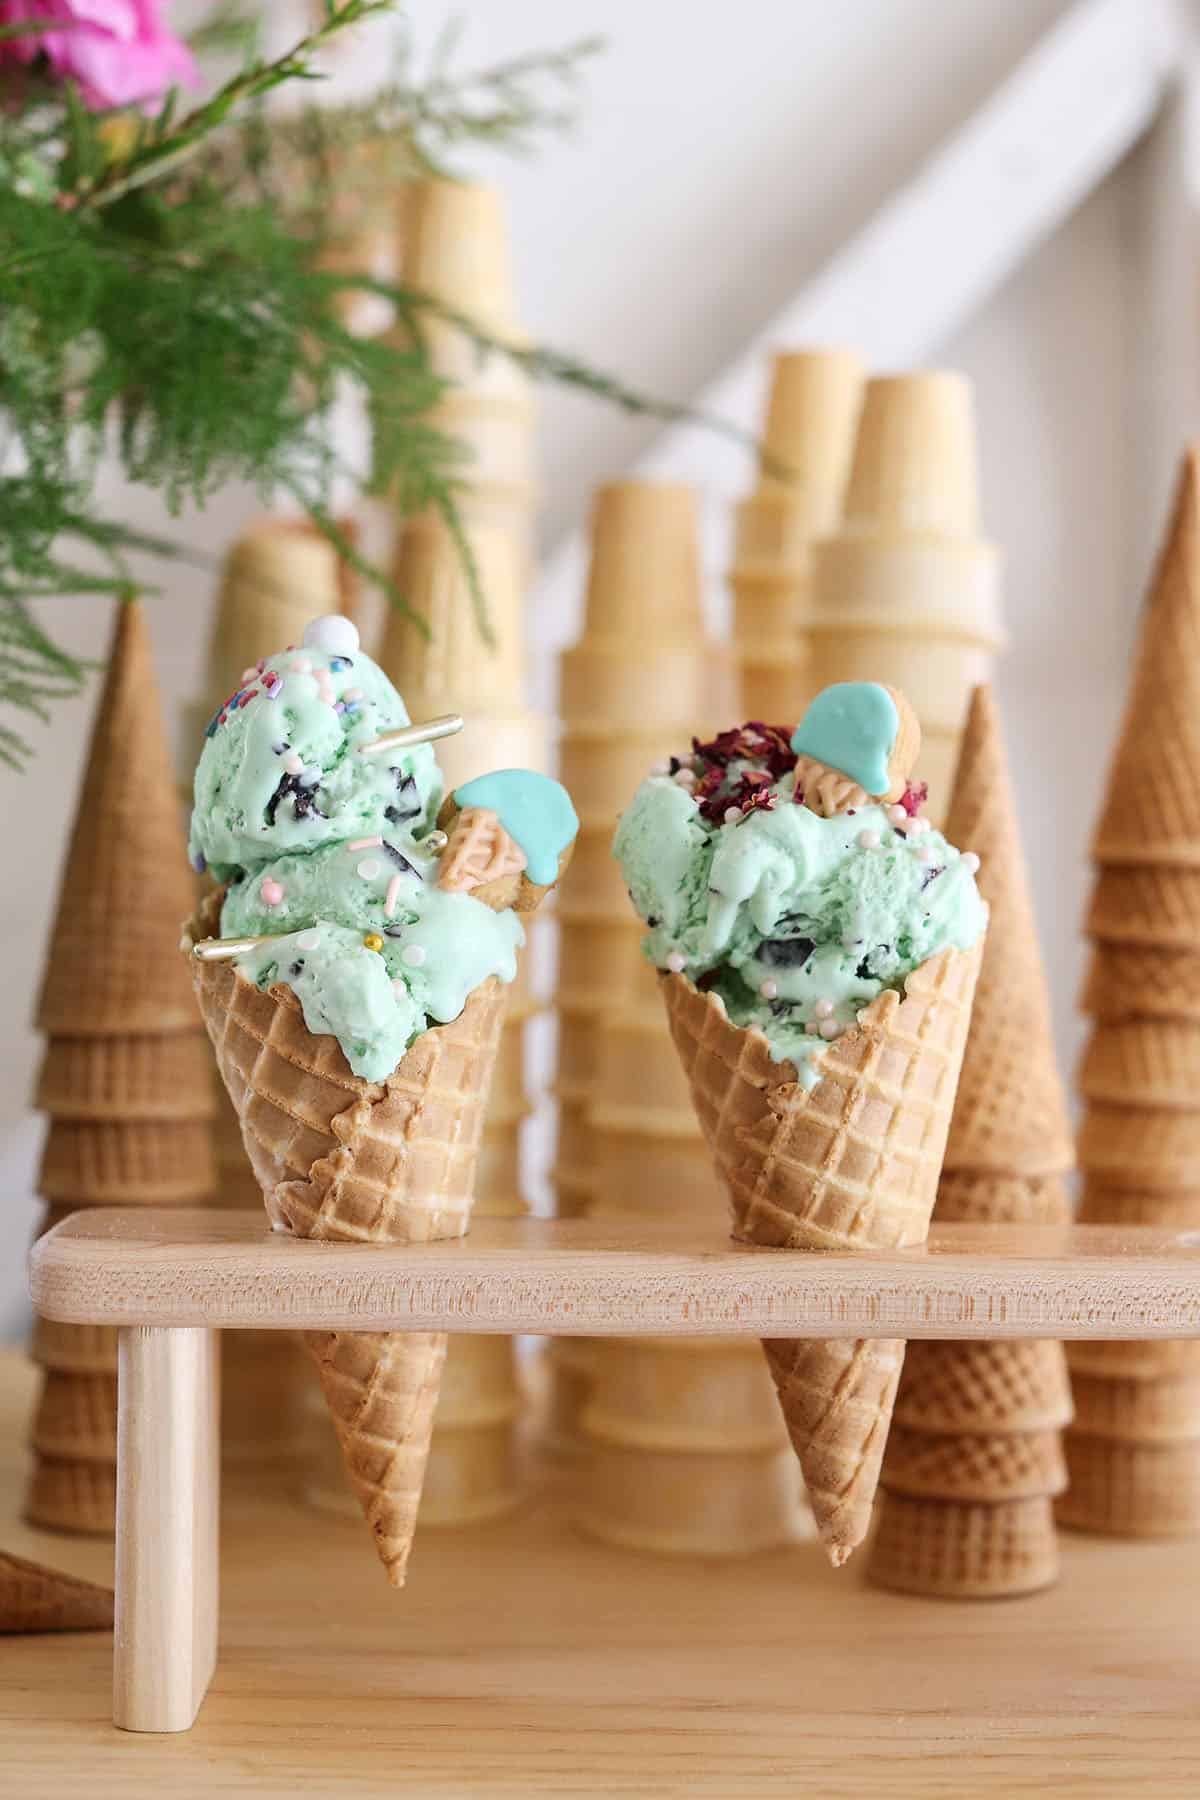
172, 1282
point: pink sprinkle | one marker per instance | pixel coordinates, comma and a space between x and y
302, 666
371, 843
293, 764
897, 815
353, 694
829, 1029
248, 676
677, 962
769, 990
970, 862
924, 854
271, 892
868, 840
393, 894
824, 1009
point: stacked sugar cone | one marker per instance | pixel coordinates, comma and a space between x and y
342, 1159
456, 247
975, 1458
684, 1450
125, 1078
812, 411
278, 575
638, 679
1134, 1451
906, 583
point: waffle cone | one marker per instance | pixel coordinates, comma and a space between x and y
1141, 981
76, 1417
851, 1164
992, 1466
166, 1076
369, 1162
1143, 1062
975, 1198
68, 1495
113, 966
1152, 811
1141, 1146
1150, 905
1131, 1490
34, 1598
984, 1386
1137, 1412
958, 1550
127, 1162
1010, 1115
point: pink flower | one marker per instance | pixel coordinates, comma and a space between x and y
117, 51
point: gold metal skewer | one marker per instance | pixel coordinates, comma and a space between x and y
406, 735
225, 949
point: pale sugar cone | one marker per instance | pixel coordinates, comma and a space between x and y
344, 1159
1131, 981
118, 1162
456, 248
956, 1550
1139, 1359
852, 1164
112, 966
72, 1495
34, 1599
1134, 1410
808, 436
990, 1466
1176, 1210
1010, 1116
152, 1077
644, 574
1143, 1062
907, 583
1152, 810
279, 574
1158, 907
76, 1416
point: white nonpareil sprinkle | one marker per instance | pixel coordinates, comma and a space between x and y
924, 854
732, 814
368, 868
769, 990
970, 862
868, 840
413, 955
824, 1009
897, 814
332, 632
308, 940
830, 1029
677, 962
685, 778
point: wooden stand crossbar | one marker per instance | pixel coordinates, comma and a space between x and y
169, 1281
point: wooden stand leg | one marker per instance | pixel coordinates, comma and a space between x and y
167, 1501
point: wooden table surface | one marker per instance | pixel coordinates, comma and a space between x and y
524, 1661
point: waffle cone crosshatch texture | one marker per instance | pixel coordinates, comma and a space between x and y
1133, 1453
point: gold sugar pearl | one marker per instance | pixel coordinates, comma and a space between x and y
373, 941
435, 842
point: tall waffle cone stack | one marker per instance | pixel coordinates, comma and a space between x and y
456, 246
125, 1079
906, 582
808, 436
851, 1164
1134, 1451
975, 1459
342, 1159
641, 678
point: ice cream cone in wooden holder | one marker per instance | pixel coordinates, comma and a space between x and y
808, 435
1134, 1450
906, 584
456, 249
125, 1079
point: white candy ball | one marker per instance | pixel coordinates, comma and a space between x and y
970, 862
334, 633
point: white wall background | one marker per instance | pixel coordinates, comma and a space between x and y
713, 171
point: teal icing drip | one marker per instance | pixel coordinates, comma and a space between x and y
535, 811
851, 727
